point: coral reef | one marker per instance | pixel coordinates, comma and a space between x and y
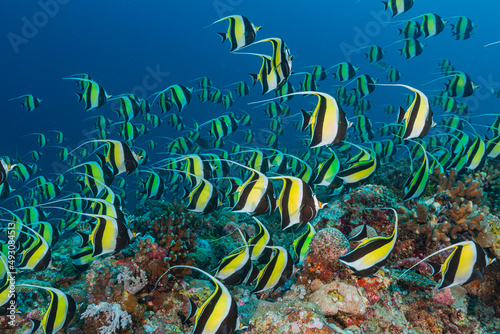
322, 259
118, 293
108, 318
452, 212
489, 175
457, 191
338, 297
170, 242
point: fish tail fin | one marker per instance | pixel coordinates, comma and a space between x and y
400, 51
386, 4
223, 35
80, 96
401, 115
36, 324
255, 77
306, 119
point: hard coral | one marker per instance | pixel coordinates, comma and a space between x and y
451, 212
322, 260
174, 242
457, 191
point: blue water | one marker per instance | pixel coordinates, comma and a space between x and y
145, 46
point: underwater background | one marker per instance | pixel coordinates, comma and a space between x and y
145, 47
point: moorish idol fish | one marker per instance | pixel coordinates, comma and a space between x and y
363, 166
460, 85
345, 71
38, 256
416, 183
418, 117
465, 264
475, 153
61, 311
277, 271
153, 186
94, 95
318, 72
31, 102
130, 106
240, 33
328, 121
234, 268
462, 29
120, 156
180, 95
281, 59
260, 243
218, 314
411, 48
83, 258
327, 171
393, 75
7, 296
284, 90
297, 203
256, 195
302, 243
411, 29
432, 25
109, 236
375, 53
371, 253
4, 170
267, 76
398, 6
204, 197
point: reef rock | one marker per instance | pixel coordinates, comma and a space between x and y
338, 297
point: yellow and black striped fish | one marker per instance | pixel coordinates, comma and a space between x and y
418, 117
398, 6
276, 272
240, 33
297, 203
260, 243
465, 264
218, 314
31, 102
371, 253
94, 95
302, 243
61, 311
234, 268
